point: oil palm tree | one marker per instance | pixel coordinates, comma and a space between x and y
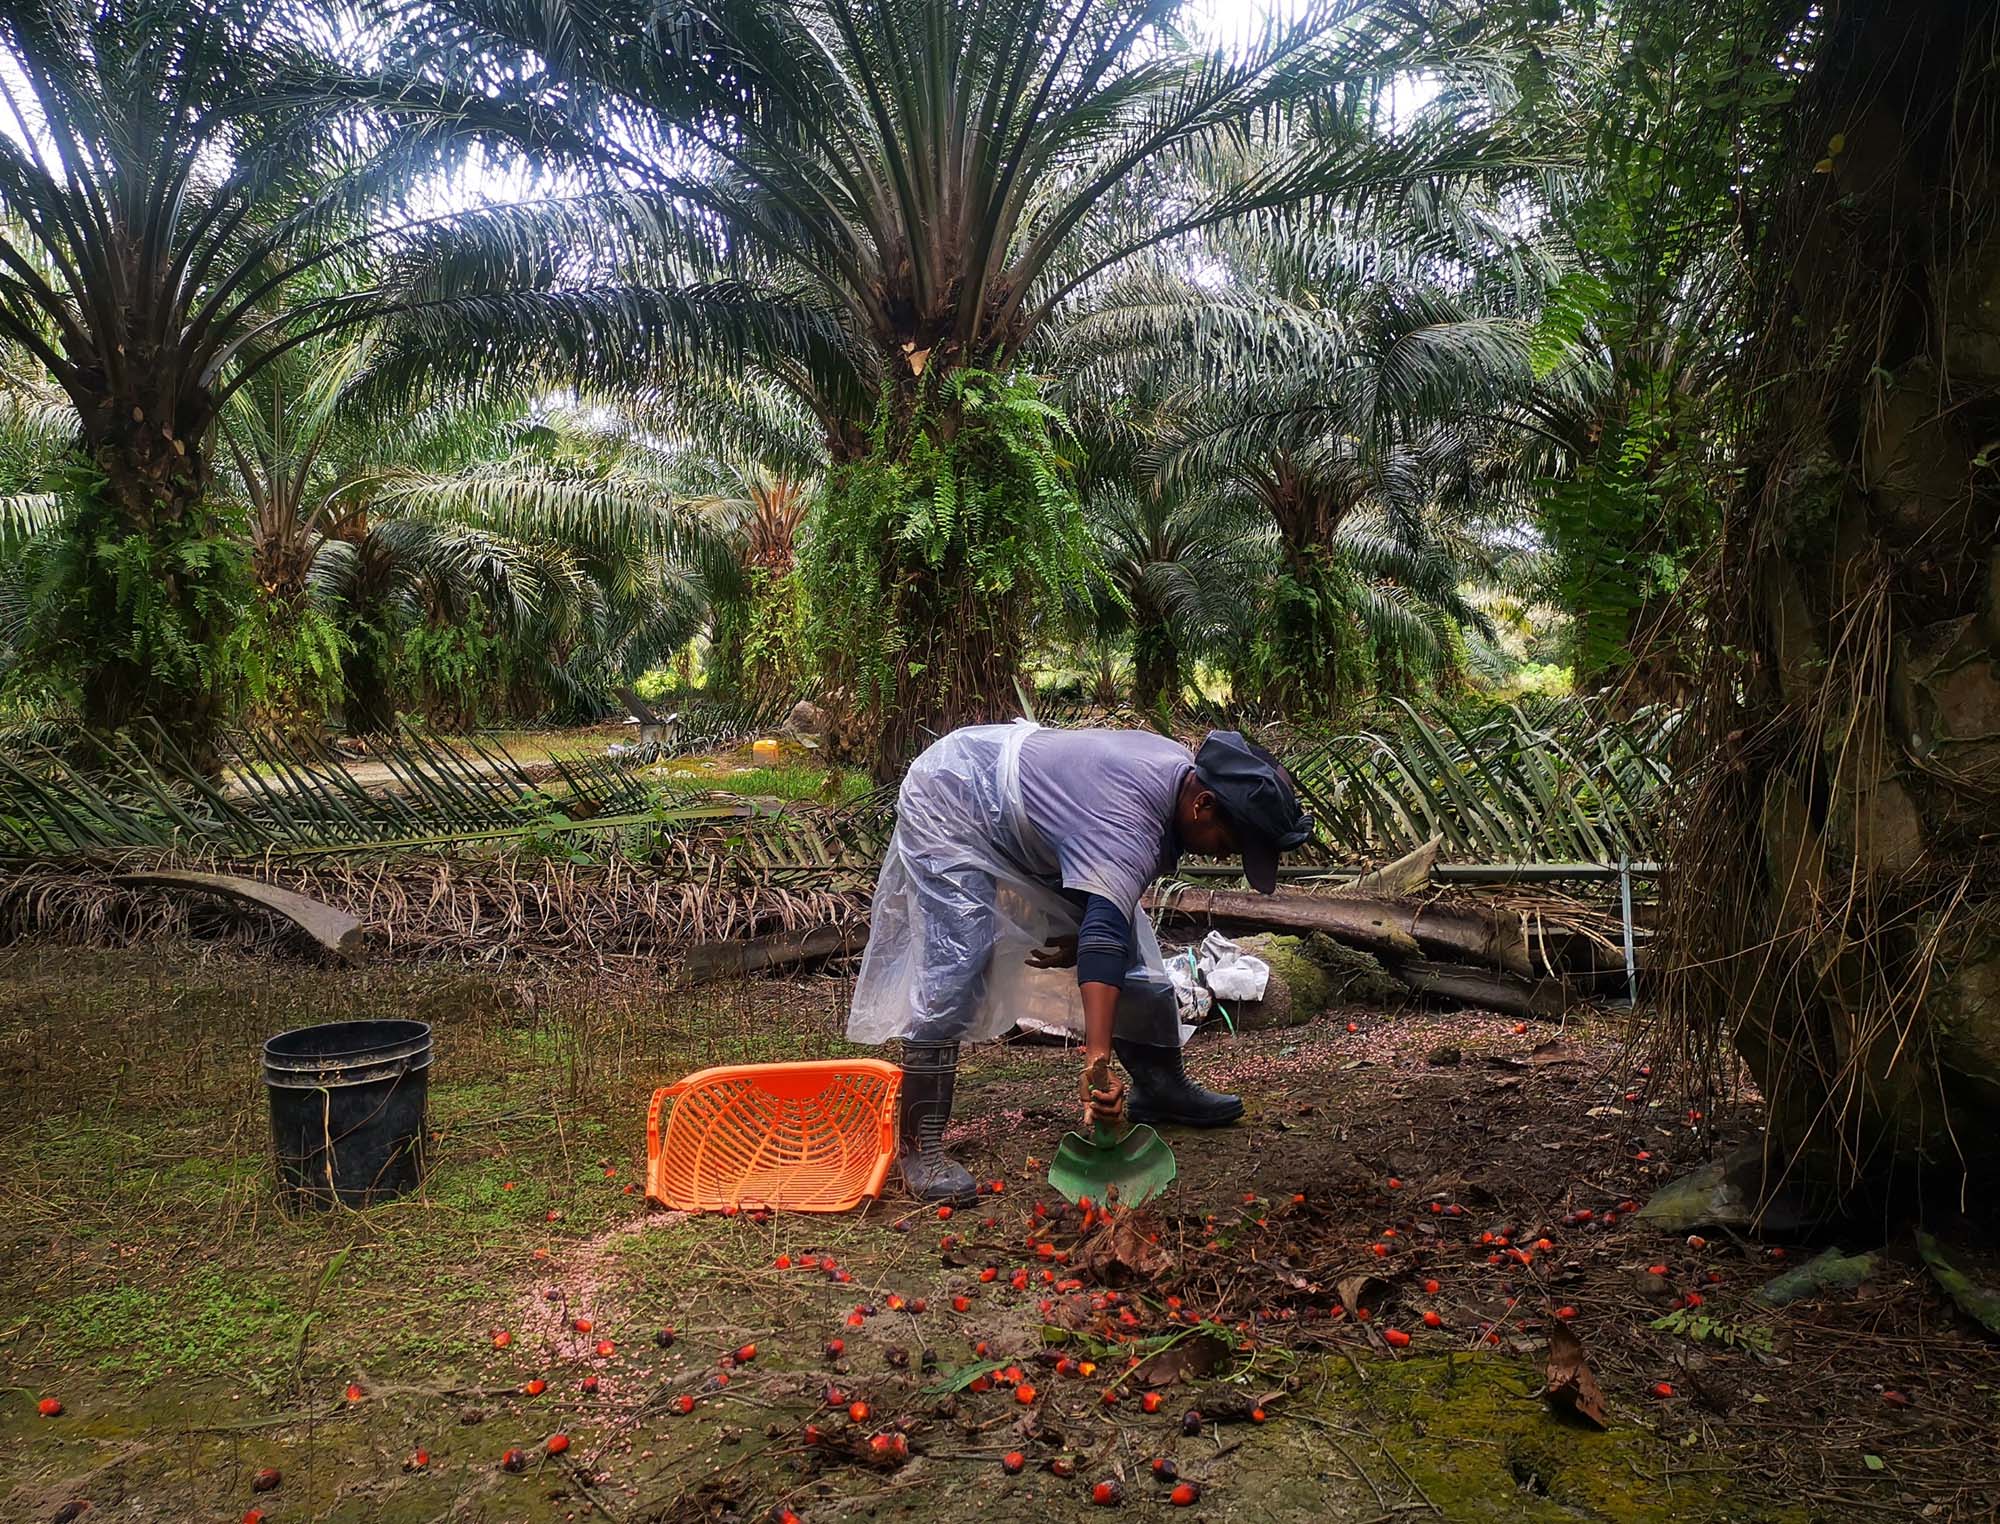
900, 191
566, 543
1353, 413
1176, 567
187, 192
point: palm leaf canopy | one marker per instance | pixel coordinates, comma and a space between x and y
870, 188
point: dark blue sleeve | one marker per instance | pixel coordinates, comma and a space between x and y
1103, 943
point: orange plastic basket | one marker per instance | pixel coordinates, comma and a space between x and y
805, 1137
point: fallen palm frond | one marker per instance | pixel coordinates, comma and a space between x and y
1569, 784
487, 910
279, 795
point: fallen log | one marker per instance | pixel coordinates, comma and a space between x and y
724, 960
1392, 929
335, 930
1486, 988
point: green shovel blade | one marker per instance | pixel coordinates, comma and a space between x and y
1137, 1163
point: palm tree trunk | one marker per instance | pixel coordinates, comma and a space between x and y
368, 700
1848, 925
159, 588
956, 640
1156, 663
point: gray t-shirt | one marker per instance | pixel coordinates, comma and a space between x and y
1103, 801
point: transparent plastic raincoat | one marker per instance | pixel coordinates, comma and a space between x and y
967, 891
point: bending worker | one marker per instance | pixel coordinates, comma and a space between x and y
1017, 846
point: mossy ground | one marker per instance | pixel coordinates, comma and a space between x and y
196, 1334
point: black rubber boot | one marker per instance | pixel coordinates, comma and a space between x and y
1162, 1092
930, 1074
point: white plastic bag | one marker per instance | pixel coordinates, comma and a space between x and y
1230, 972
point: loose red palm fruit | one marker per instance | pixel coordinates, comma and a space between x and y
1164, 1468
533, 1388
1150, 1402
1184, 1495
857, 1412
1024, 1394
1013, 1462
417, 1461
835, 1348
783, 1262
1191, 1421
514, 1460
1107, 1494
582, 1325
590, 1383
267, 1480
1662, 1389
664, 1338
989, 1274
558, 1443
1396, 1337
605, 1348
683, 1404
1431, 1319
1258, 1415
746, 1353
49, 1407
502, 1339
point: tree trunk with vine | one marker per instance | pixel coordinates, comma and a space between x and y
157, 579
920, 628
1835, 891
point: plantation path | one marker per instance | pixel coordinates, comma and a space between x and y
196, 1337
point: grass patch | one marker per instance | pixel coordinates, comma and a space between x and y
793, 782
207, 1324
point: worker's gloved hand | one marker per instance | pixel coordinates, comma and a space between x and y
1060, 953
1103, 1091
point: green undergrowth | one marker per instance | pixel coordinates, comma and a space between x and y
206, 1322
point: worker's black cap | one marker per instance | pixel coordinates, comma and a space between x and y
1257, 795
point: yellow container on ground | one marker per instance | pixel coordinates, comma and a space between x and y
764, 750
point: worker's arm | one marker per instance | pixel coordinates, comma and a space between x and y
1103, 953
1102, 1090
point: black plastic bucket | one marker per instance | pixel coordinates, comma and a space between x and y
347, 1110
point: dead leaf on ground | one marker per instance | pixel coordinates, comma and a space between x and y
1190, 1359
1359, 1291
1571, 1388
1124, 1249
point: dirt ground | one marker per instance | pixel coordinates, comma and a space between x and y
195, 1336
